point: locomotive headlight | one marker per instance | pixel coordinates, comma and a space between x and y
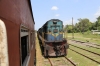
54, 22
49, 30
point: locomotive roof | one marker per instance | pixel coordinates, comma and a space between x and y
52, 20
49, 21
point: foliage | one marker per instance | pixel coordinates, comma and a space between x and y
83, 25
68, 28
94, 26
98, 23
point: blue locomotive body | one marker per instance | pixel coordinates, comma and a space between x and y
52, 40
54, 31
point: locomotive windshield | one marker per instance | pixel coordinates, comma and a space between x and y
55, 27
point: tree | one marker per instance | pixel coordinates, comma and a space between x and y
98, 23
94, 26
76, 27
68, 28
84, 25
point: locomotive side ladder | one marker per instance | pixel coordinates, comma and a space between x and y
3, 45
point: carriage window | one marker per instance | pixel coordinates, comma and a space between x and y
24, 43
24, 46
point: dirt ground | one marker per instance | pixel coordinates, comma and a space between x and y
40, 60
39, 57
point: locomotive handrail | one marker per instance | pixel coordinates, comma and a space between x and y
44, 40
59, 33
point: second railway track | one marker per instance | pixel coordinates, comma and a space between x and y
85, 56
85, 50
87, 44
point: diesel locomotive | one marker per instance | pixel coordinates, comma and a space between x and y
17, 35
51, 38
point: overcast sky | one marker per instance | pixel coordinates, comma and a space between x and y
44, 10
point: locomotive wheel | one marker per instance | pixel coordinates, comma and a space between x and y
65, 51
42, 48
46, 53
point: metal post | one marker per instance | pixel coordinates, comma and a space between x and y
66, 33
72, 29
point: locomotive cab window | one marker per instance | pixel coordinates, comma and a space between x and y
24, 45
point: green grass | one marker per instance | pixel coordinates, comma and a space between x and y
80, 60
95, 38
88, 48
91, 55
87, 36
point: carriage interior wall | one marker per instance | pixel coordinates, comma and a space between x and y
16, 15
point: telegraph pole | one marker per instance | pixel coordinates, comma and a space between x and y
72, 29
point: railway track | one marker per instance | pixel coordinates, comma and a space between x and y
84, 55
88, 44
65, 62
70, 61
85, 50
93, 47
50, 62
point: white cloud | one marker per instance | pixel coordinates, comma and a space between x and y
54, 8
97, 13
57, 15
